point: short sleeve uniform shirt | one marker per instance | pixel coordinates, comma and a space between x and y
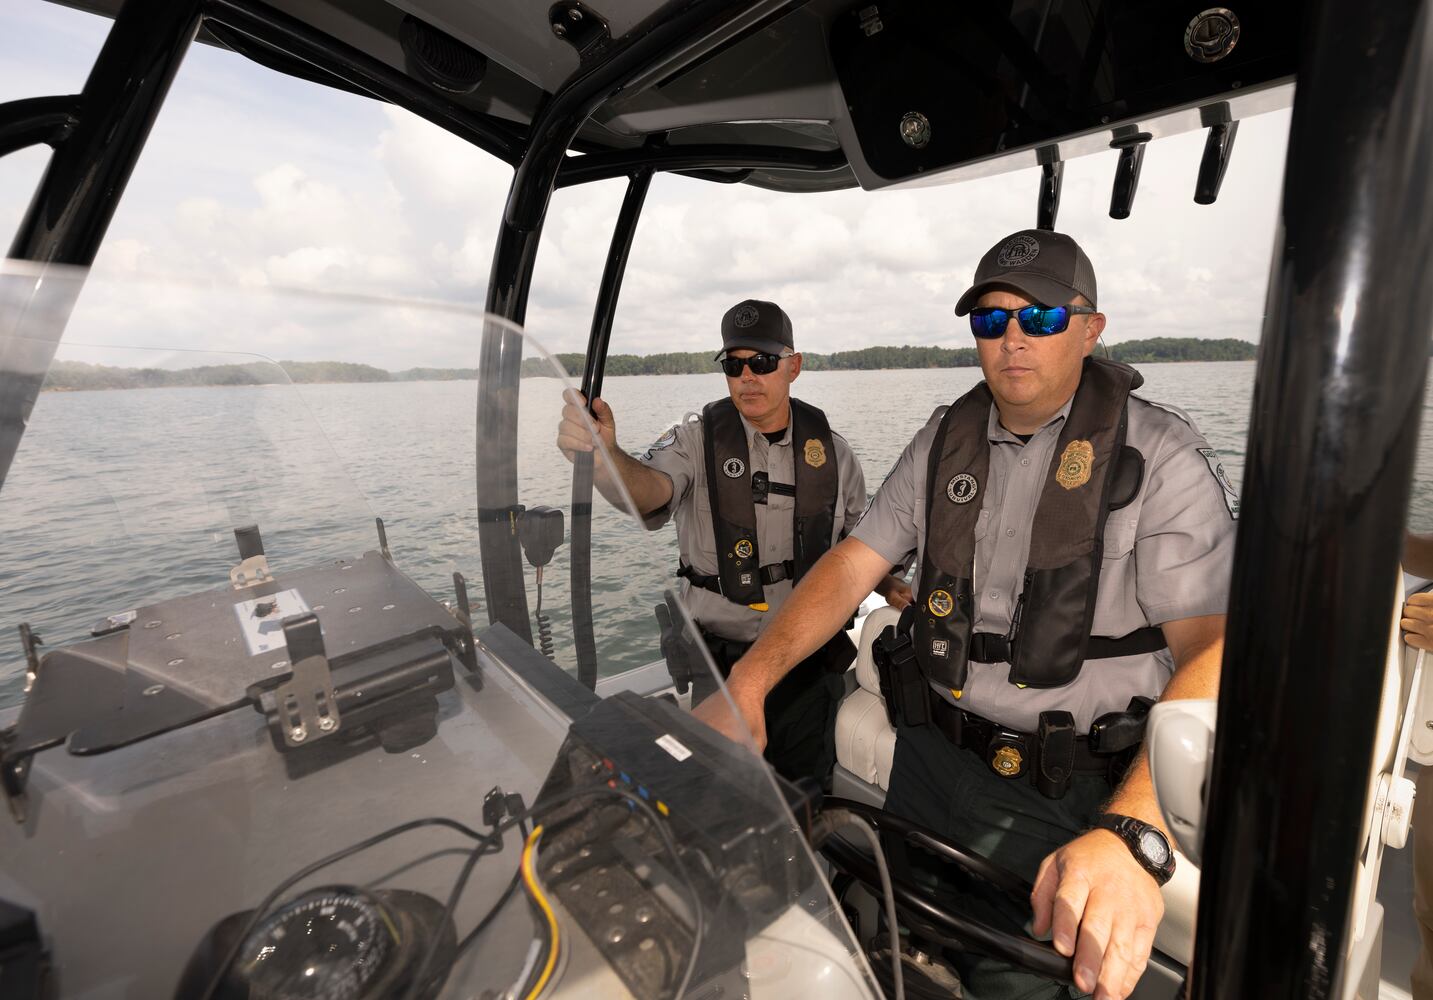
1167, 555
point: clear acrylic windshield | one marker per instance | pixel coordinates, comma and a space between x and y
301, 704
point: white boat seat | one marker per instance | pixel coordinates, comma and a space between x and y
865, 740
866, 746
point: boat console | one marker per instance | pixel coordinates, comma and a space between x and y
294, 772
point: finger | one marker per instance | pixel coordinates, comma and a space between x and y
1042, 897
1115, 964
1094, 941
1141, 944
566, 444
1418, 639
1070, 900
574, 397
1424, 599
1423, 612
576, 429
603, 412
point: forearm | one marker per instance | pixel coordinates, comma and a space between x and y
649, 489
1196, 677
823, 602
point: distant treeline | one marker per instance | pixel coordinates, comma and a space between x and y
875, 358
77, 375
1182, 349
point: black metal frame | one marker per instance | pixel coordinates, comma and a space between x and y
38, 119
676, 31
1335, 419
258, 22
620, 163
98, 138
593, 368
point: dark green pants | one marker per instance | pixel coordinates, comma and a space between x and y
800, 713
954, 792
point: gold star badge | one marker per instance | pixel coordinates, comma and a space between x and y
815, 453
1075, 464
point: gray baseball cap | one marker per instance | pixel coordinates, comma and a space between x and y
1049, 268
758, 326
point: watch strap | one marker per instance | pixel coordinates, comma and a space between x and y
1131, 830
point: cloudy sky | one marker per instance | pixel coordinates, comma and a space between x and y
252, 181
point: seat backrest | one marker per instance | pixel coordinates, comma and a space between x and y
870, 629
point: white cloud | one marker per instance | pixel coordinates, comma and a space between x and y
251, 179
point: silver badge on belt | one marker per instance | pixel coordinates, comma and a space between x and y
962, 488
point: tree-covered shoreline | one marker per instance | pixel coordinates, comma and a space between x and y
77, 376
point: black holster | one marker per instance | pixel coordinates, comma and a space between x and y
903, 684
677, 649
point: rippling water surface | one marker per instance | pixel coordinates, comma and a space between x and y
123, 498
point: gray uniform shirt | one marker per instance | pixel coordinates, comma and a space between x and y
680, 455
1167, 555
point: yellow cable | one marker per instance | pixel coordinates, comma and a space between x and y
529, 879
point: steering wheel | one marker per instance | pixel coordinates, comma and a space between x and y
930, 918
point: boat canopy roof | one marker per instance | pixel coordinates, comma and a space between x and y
832, 94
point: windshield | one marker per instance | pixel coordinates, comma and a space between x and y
280, 728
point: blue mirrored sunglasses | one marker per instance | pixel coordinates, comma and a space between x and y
1037, 321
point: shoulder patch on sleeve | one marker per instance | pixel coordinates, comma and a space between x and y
1216, 469
665, 441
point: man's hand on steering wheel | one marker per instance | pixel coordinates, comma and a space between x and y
1104, 910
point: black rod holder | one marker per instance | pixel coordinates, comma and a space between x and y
1332, 435
1218, 149
263, 24
1130, 142
580, 555
676, 32
1052, 178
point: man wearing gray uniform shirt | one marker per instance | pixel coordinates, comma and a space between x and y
1074, 544
760, 488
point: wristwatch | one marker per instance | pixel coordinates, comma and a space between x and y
1149, 846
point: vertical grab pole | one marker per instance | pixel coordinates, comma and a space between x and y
1336, 410
672, 34
597, 342
77, 197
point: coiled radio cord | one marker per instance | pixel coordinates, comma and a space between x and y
544, 624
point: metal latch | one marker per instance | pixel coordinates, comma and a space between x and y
305, 704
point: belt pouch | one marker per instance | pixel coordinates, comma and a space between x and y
1056, 763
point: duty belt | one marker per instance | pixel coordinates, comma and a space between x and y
773, 573
1050, 757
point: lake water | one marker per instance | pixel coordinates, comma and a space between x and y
123, 498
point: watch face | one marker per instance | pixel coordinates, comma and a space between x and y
1154, 847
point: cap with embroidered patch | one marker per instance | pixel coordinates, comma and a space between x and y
757, 326
1046, 267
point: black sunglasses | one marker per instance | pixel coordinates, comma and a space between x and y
1037, 321
761, 364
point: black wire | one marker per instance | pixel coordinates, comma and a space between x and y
493, 911
416, 985
494, 837
322, 863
